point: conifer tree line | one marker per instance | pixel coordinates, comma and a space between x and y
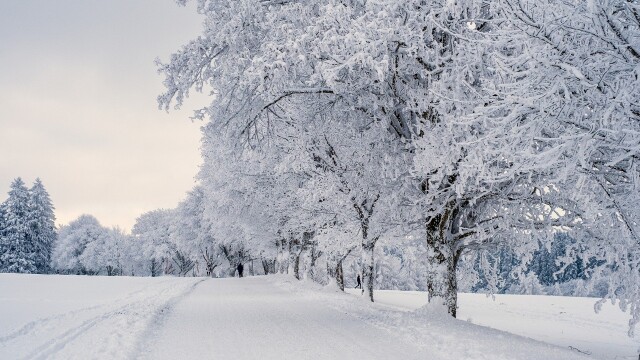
27, 229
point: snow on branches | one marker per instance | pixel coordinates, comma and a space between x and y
474, 125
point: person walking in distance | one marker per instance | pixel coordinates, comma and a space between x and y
240, 268
359, 282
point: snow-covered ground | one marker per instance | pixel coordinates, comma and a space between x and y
81, 317
570, 322
277, 317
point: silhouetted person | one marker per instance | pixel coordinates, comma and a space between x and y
359, 285
240, 268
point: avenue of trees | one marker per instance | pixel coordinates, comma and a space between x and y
337, 126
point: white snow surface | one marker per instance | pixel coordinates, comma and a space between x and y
278, 317
570, 322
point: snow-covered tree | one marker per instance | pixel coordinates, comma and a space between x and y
153, 233
42, 231
3, 242
194, 239
107, 253
492, 122
584, 63
72, 242
19, 254
85, 247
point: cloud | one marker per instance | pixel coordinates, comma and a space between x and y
78, 85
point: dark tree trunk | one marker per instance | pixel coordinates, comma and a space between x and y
339, 273
269, 266
296, 266
154, 268
314, 255
443, 258
210, 262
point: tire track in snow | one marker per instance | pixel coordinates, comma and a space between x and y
33, 326
152, 332
109, 333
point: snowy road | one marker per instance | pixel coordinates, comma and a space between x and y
250, 318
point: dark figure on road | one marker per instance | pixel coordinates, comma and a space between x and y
359, 285
240, 268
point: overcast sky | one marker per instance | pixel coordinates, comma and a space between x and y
78, 109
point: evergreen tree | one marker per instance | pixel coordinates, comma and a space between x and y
3, 245
18, 252
495, 268
42, 232
555, 266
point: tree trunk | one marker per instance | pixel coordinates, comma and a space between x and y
296, 265
367, 244
313, 259
442, 260
283, 257
311, 273
292, 257
154, 268
367, 269
269, 266
339, 275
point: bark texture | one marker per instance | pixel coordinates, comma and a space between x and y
443, 258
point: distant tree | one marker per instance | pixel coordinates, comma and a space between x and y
108, 253
153, 232
41, 222
495, 269
191, 234
73, 240
553, 266
18, 254
183, 263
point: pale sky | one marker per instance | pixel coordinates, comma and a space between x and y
78, 88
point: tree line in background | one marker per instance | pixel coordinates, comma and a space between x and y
163, 243
27, 229
159, 245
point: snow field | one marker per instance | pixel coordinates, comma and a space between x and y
569, 322
432, 331
278, 317
80, 317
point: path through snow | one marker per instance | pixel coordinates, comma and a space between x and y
250, 318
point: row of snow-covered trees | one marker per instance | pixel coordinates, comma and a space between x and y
158, 247
27, 229
340, 125
85, 247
